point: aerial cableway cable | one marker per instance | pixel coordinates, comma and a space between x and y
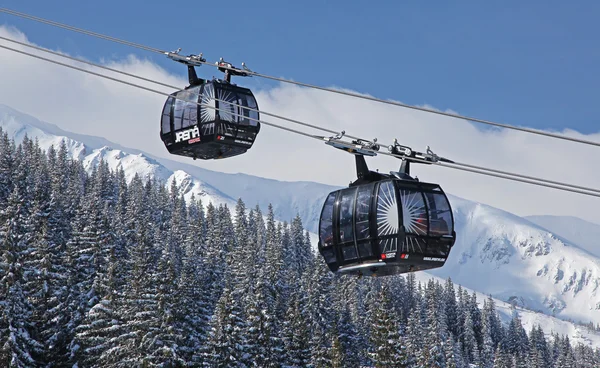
465, 167
174, 87
79, 30
283, 80
285, 118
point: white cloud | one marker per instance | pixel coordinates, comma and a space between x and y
87, 104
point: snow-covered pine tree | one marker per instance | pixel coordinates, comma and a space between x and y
7, 153
194, 311
470, 348
517, 342
451, 308
502, 359
386, 341
414, 339
296, 334
539, 345
225, 344
565, 356
436, 330
17, 344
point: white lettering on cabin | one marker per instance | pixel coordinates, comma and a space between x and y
434, 259
185, 135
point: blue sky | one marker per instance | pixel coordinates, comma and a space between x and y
531, 63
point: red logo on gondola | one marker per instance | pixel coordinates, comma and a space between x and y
404, 256
220, 138
383, 256
195, 140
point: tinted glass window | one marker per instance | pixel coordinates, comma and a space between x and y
363, 206
438, 247
349, 252
249, 116
166, 116
414, 214
440, 218
329, 255
326, 227
190, 113
364, 249
178, 114
346, 215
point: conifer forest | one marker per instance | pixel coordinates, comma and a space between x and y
99, 271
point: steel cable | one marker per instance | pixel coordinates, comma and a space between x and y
283, 80
469, 168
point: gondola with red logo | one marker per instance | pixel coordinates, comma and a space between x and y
209, 119
386, 224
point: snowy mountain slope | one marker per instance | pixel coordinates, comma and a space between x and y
91, 150
287, 198
577, 231
515, 260
496, 252
530, 318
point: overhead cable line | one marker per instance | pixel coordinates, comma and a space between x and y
283, 80
281, 117
175, 87
79, 30
86, 62
515, 177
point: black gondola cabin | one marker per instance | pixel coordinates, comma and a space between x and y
390, 225
210, 119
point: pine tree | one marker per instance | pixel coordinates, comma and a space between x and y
227, 347
490, 318
470, 349
453, 357
501, 359
436, 330
296, 334
385, 336
414, 340
7, 152
194, 310
17, 344
517, 341
451, 308
539, 346
487, 348
565, 357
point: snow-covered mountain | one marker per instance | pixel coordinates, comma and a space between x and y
497, 253
529, 318
516, 260
573, 229
288, 198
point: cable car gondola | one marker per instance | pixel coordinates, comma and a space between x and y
386, 224
218, 128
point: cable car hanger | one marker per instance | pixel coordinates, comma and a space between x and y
283, 80
463, 167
